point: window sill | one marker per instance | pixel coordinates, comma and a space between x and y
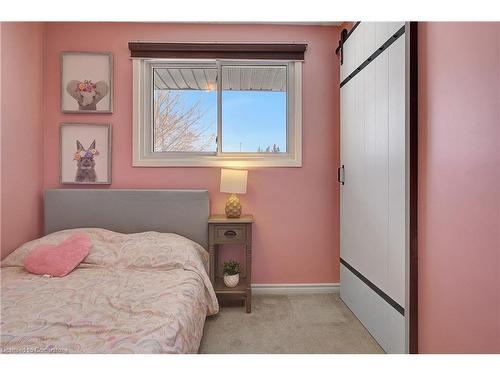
218, 161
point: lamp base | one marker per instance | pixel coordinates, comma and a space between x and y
233, 207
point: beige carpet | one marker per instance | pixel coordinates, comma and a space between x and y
294, 323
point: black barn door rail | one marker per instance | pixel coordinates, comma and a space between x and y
374, 55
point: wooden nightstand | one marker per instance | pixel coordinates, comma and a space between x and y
222, 231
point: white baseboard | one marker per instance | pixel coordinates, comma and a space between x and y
295, 288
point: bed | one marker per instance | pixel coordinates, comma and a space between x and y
143, 288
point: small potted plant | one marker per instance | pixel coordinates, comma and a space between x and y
231, 273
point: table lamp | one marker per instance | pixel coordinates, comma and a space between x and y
233, 181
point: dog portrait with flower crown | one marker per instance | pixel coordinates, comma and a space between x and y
86, 82
85, 153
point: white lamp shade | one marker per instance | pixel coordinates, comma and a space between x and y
233, 181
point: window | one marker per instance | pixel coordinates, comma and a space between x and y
184, 109
217, 112
254, 109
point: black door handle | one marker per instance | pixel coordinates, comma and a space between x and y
340, 174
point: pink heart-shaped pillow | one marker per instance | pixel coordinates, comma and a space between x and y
58, 260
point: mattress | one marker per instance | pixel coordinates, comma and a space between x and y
134, 293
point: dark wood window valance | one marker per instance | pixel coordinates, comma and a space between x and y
270, 51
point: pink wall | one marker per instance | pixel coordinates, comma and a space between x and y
459, 197
296, 235
22, 133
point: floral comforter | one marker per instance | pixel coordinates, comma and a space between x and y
134, 293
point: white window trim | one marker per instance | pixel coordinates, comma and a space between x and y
142, 155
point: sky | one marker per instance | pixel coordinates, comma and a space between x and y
250, 119
254, 118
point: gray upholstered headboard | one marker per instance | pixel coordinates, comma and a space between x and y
184, 212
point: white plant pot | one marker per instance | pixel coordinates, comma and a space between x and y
231, 280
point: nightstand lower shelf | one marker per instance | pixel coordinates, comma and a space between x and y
240, 291
221, 288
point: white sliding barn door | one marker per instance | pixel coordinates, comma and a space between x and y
374, 196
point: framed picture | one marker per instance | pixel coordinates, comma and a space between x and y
86, 82
85, 153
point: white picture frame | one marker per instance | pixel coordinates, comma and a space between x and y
86, 82
85, 154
